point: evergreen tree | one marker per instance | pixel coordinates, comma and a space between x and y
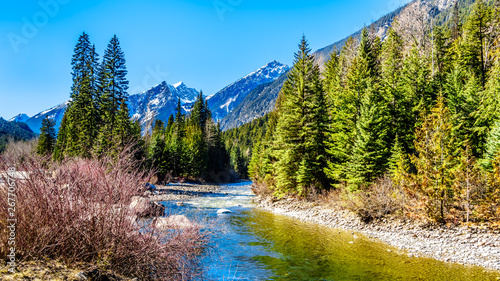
455, 33
371, 148
196, 152
113, 99
61, 141
238, 162
473, 55
47, 138
299, 145
343, 107
418, 95
199, 113
217, 154
391, 86
492, 147
81, 126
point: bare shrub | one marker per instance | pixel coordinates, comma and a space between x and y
20, 150
78, 211
262, 190
376, 201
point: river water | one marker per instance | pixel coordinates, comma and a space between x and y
251, 244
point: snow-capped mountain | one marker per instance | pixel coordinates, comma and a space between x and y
231, 96
56, 113
159, 102
156, 103
22, 117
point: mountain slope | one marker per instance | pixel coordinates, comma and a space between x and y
56, 113
437, 10
224, 101
13, 130
256, 104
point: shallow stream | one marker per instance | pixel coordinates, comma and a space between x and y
251, 244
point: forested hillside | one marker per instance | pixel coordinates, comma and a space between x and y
15, 131
418, 108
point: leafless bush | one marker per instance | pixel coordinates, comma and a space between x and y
376, 201
78, 211
20, 149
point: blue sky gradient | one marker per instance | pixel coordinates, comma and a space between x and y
206, 43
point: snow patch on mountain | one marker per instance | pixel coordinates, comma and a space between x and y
22, 117
232, 95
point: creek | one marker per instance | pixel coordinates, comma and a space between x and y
251, 244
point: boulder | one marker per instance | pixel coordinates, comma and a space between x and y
223, 211
144, 207
175, 221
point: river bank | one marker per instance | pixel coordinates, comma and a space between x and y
463, 245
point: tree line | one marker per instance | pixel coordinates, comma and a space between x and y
96, 122
421, 109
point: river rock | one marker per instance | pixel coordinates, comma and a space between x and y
145, 207
176, 221
223, 211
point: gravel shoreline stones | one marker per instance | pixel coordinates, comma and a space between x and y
468, 246
183, 191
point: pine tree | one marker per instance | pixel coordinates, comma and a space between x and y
199, 113
47, 138
455, 33
492, 147
473, 53
195, 161
217, 154
81, 126
157, 154
61, 141
371, 148
391, 86
301, 128
238, 162
417, 95
364, 69
113, 99
343, 109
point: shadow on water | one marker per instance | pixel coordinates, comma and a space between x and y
250, 244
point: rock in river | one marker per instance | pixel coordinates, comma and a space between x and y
223, 211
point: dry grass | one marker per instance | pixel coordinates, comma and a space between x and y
77, 212
376, 201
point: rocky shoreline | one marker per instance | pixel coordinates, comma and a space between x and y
463, 245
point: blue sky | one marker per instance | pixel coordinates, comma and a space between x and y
206, 43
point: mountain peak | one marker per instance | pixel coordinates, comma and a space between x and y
22, 117
179, 84
271, 70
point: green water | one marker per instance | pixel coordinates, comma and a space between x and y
251, 244
312, 252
